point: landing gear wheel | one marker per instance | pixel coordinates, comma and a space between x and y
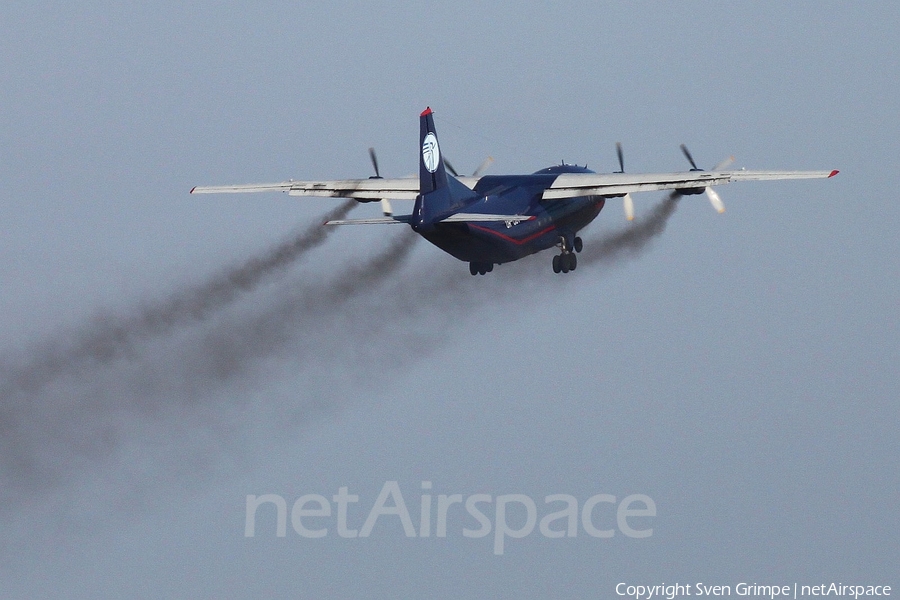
564, 263
556, 263
578, 244
573, 261
479, 268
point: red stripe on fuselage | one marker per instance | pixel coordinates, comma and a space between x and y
524, 240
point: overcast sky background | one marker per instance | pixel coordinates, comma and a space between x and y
741, 370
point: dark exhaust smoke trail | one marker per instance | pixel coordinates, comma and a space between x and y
82, 418
105, 341
633, 240
315, 315
342, 323
356, 324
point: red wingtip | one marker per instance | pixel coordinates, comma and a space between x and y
833, 173
426, 112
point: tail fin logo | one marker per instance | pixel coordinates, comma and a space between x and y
431, 154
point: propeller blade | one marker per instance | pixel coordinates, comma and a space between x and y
690, 158
628, 204
374, 162
450, 168
715, 200
724, 164
483, 166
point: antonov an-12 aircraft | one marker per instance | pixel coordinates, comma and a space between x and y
494, 219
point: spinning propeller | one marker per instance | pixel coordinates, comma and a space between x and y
627, 202
481, 168
713, 196
385, 203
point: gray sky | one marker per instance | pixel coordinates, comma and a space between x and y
740, 371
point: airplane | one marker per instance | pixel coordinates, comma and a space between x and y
495, 219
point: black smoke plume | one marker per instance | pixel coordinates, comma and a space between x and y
630, 242
80, 416
76, 405
105, 340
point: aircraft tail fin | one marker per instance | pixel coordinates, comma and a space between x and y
432, 172
440, 194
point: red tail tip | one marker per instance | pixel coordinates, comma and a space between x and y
833, 173
426, 112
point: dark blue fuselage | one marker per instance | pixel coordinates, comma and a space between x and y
500, 242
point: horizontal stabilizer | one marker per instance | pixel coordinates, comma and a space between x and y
476, 218
457, 218
394, 219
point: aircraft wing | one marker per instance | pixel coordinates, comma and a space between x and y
567, 185
570, 185
358, 189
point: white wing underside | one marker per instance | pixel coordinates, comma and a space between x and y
566, 185
571, 185
359, 189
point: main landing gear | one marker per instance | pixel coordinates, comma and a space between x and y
479, 268
566, 260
